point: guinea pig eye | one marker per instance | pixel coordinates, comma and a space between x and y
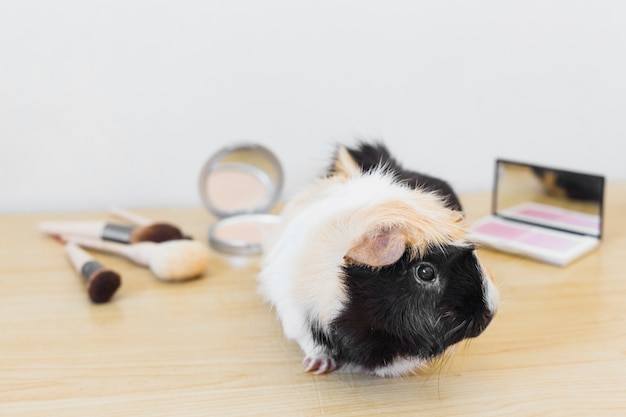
425, 272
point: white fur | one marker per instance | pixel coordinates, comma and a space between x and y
399, 367
491, 294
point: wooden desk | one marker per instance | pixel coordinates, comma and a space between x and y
211, 347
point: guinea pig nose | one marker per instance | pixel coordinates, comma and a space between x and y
479, 324
487, 316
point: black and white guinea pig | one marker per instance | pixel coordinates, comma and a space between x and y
372, 269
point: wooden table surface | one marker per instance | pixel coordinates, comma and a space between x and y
211, 347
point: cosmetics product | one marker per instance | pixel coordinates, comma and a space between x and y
239, 184
101, 282
156, 232
174, 260
242, 234
145, 222
548, 214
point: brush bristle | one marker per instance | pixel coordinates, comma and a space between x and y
179, 260
102, 285
157, 232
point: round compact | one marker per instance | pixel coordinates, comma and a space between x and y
239, 184
242, 234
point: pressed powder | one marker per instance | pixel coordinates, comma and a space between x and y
248, 231
224, 187
243, 234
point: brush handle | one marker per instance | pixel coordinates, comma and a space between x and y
102, 230
83, 262
80, 228
140, 253
78, 257
129, 216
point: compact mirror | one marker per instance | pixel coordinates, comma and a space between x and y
239, 184
548, 214
563, 200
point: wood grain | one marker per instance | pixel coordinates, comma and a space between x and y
212, 346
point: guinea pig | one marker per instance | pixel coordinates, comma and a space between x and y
371, 268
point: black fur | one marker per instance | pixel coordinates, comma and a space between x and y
392, 313
371, 156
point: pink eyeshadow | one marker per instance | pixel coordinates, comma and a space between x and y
562, 218
540, 214
549, 242
582, 222
501, 230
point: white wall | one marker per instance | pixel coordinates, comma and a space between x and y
120, 102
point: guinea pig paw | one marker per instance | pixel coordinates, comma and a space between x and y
319, 365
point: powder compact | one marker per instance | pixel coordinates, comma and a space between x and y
548, 214
239, 184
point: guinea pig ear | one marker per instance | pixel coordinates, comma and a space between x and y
378, 250
344, 165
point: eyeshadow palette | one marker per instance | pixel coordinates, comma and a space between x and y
548, 214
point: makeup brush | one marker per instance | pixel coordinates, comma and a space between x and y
137, 219
101, 282
156, 232
174, 260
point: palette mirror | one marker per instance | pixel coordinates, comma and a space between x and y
558, 199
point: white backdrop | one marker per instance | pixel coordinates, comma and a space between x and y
119, 102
